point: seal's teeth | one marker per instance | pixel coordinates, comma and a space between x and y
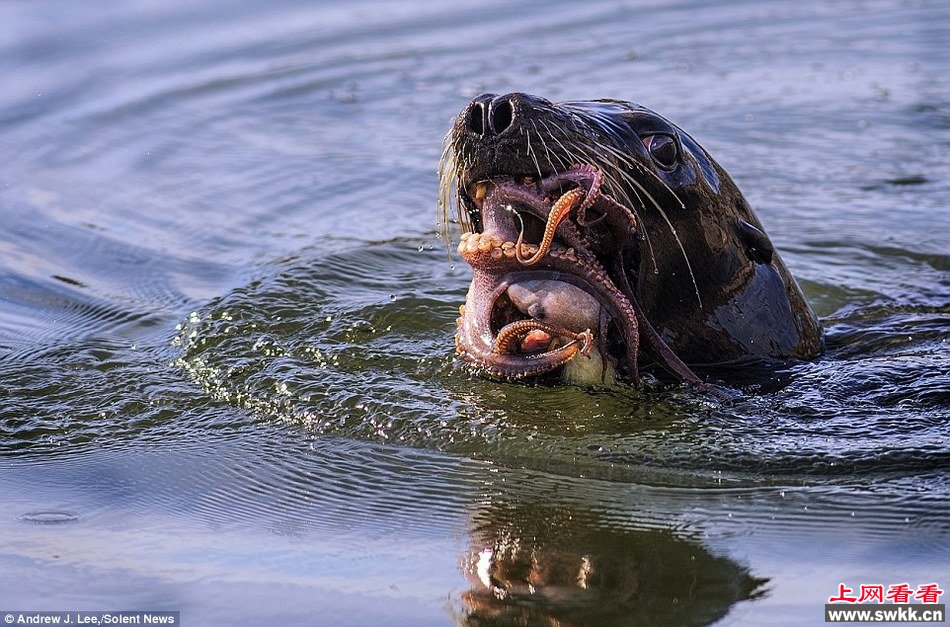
484, 244
495, 241
471, 245
509, 252
480, 190
507, 245
496, 253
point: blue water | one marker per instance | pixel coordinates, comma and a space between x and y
227, 383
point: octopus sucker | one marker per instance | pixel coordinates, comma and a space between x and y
543, 335
512, 336
558, 212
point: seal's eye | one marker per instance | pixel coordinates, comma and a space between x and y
662, 148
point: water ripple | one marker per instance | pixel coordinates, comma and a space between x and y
326, 343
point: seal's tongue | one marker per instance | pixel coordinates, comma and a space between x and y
536, 341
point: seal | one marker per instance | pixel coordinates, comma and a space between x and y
603, 239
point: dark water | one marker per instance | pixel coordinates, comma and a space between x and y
226, 374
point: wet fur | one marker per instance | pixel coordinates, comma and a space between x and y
701, 266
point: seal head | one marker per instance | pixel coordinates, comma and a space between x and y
601, 227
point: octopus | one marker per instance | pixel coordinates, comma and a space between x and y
559, 297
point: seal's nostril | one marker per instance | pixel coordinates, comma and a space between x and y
501, 115
478, 118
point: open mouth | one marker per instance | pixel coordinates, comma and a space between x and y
540, 297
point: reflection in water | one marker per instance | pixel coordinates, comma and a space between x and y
539, 563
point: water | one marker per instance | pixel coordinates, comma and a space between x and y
226, 374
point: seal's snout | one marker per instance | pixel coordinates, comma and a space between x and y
501, 115
476, 120
492, 116
501, 134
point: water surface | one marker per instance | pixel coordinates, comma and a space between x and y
226, 375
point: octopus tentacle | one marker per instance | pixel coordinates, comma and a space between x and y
621, 220
473, 340
540, 208
512, 366
491, 264
594, 178
511, 334
589, 178
558, 213
659, 350
498, 262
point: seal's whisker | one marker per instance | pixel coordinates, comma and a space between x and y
547, 152
663, 183
607, 169
617, 189
574, 157
551, 133
467, 161
636, 164
669, 224
635, 185
532, 155
568, 153
646, 231
447, 177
